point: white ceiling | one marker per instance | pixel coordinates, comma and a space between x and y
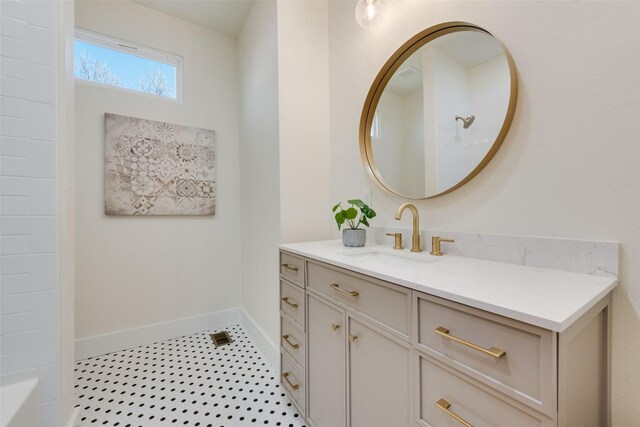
469, 48
404, 86
224, 16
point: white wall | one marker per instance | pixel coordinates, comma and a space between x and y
283, 53
449, 99
413, 113
303, 96
489, 86
259, 157
30, 289
399, 152
389, 158
459, 90
569, 165
65, 121
134, 271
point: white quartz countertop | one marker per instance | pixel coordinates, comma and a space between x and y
551, 299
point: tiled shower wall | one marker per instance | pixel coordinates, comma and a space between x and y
29, 284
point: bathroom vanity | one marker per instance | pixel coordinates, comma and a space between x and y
377, 337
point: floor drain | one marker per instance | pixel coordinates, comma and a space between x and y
220, 338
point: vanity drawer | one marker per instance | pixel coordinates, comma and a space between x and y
292, 379
292, 340
442, 389
388, 304
292, 302
292, 267
472, 340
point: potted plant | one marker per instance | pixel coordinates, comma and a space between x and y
358, 213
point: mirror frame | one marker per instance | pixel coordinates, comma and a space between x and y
385, 74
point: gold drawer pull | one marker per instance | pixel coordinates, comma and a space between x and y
286, 378
338, 288
292, 268
335, 326
494, 352
292, 304
444, 405
286, 339
353, 338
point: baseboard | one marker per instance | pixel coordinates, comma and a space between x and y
73, 419
145, 335
270, 351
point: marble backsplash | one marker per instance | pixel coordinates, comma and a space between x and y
578, 256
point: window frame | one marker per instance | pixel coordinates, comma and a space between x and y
134, 49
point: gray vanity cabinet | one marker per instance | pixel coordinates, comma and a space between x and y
357, 351
326, 341
353, 364
380, 381
293, 345
358, 366
444, 395
378, 351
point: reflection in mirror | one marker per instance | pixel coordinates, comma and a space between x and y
440, 113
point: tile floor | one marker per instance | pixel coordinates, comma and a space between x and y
185, 381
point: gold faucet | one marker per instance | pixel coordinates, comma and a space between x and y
415, 237
397, 240
436, 248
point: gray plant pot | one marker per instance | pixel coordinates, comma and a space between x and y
354, 238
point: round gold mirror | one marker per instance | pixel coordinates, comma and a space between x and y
438, 111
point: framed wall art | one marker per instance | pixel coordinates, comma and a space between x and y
158, 168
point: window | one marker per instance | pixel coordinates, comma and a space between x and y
106, 61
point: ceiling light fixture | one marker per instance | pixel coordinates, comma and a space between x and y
369, 13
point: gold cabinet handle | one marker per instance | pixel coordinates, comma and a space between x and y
286, 339
353, 338
292, 304
338, 288
494, 352
289, 267
444, 406
335, 326
286, 378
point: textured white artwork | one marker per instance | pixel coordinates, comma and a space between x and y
158, 168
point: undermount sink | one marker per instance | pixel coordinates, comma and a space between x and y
390, 258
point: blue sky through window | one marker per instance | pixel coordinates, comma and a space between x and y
128, 68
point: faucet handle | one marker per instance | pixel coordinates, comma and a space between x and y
397, 243
436, 247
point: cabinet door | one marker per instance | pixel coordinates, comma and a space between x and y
380, 377
326, 363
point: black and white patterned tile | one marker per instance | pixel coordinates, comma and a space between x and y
186, 381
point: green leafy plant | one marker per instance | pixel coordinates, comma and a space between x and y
350, 217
